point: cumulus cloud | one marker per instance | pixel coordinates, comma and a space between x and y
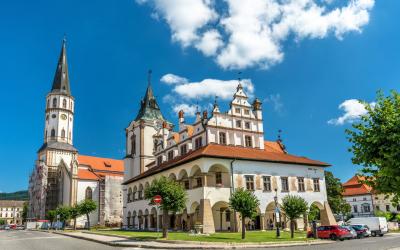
204, 90
353, 110
240, 34
171, 79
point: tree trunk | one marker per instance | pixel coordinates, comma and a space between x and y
88, 221
243, 227
75, 223
165, 224
292, 229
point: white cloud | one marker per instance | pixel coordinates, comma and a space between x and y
243, 34
353, 110
190, 110
276, 101
171, 79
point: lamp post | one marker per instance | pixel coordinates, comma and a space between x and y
277, 214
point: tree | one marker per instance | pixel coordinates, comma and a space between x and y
64, 213
173, 198
24, 214
75, 212
87, 207
294, 207
246, 203
314, 213
334, 191
2, 222
51, 215
375, 144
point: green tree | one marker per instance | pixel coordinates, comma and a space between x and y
87, 207
173, 198
246, 203
388, 215
75, 212
375, 144
24, 214
64, 213
294, 207
51, 215
314, 213
334, 191
2, 222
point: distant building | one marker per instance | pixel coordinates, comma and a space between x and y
364, 201
63, 177
212, 157
11, 211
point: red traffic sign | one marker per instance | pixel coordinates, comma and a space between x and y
157, 199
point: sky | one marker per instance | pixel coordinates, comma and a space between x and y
309, 62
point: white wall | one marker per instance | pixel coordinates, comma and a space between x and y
81, 191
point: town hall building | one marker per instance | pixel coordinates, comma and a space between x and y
61, 176
212, 157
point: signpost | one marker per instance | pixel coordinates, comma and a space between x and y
157, 199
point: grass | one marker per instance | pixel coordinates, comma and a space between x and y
252, 236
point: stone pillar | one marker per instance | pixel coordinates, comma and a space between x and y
206, 216
262, 222
305, 219
327, 217
236, 225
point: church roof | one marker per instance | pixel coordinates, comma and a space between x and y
58, 145
272, 152
149, 109
99, 167
61, 77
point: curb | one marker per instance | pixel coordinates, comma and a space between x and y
200, 245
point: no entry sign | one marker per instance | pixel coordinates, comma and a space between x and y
157, 199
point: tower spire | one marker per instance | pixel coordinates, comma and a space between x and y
61, 77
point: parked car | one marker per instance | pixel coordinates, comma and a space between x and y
332, 232
362, 230
352, 231
7, 227
377, 225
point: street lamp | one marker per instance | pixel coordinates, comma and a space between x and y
277, 213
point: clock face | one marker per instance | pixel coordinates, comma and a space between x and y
64, 117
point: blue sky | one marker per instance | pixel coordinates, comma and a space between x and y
112, 44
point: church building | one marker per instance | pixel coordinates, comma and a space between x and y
212, 157
61, 176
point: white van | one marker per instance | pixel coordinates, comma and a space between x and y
377, 225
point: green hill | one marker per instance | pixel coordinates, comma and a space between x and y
19, 196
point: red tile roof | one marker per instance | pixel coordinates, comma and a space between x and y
273, 152
85, 174
99, 167
354, 187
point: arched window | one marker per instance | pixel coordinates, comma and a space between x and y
48, 103
129, 195
54, 102
133, 144
63, 133
65, 103
88, 193
53, 133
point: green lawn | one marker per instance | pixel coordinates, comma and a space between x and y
253, 236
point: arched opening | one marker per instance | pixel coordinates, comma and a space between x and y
129, 197
153, 218
63, 133
255, 222
54, 102
184, 179
88, 193
128, 219
64, 103
218, 176
53, 133
194, 215
140, 192
197, 177
140, 219
134, 193
146, 219
223, 218
270, 217
172, 176
134, 224
133, 144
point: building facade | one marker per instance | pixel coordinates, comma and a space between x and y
212, 157
11, 211
63, 177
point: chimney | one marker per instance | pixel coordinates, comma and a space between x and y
181, 116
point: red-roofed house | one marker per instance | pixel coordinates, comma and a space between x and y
359, 196
211, 158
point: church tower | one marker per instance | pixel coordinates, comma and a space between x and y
58, 139
140, 134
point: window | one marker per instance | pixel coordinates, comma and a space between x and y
248, 141
63, 133
129, 195
54, 102
267, 183
237, 110
249, 182
53, 133
239, 124
387, 208
159, 160
316, 185
300, 181
366, 208
198, 143
354, 199
247, 125
65, 103
365, 198
186, 184
355, 209
246, 112
88, 193
228, 215
199, 182
133, 144
222, 138
285, 184
170, 155
218, 178
183, 149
